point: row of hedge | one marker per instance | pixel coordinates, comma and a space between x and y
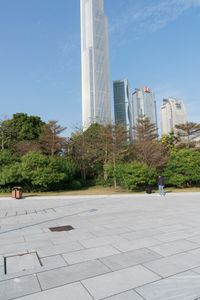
181, 170
37, 172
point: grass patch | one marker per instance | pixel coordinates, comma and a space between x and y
99, 190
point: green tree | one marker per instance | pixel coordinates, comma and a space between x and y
7, 158
187, 133
24, 127
183, 168
145, 130
5, 135
46, 173
95, 147
21, 128
9, 170
11, 176
169, 141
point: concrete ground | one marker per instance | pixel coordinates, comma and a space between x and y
124, 247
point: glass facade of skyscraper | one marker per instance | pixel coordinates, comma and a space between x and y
96, 103
144, 104
122, 104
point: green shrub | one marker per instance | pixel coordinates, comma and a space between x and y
183, 168
74, 185
132, 176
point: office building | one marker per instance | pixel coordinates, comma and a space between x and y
123, 104
144, 104
96, 103
172, 113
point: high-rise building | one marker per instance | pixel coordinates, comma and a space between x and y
123, 111
144, 104
96, 103
172, 113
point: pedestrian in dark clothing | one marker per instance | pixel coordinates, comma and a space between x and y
161, 186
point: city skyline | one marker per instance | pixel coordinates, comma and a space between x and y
153, 44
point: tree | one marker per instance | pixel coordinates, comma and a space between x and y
46, 173
146, 148
145, 130
183, 168
24, 127
7, 158
94, 148
187, 133
21, 128
5, 135
170, 141
50, 140
152, 153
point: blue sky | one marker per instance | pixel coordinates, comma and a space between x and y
152, 43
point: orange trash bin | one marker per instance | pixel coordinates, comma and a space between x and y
17, 192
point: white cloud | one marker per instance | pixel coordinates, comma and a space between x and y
149, 17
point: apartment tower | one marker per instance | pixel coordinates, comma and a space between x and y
173, 112
144, 104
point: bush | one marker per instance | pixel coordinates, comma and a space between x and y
132, 176
74, 185
37, 172
183, 168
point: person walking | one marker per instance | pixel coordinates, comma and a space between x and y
161, 185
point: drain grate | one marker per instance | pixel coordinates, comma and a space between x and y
21, 262
61, 228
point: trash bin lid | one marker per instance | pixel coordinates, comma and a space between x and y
17, 188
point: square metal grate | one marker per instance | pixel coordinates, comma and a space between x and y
61, 228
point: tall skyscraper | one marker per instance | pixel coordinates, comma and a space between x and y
144, 104
123, 111
96, 103
172, 113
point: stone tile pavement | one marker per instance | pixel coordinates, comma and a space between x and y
122, 247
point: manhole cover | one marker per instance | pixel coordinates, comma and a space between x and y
21, 262
62, 228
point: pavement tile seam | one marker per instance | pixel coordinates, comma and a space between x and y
105, 265
121, 293
137, 289
87, 290
29, 273
175, 274
38, 289
158, 278
134, 264
178, 252
137, 292
33, 271
75, 281
153, 271
87, 249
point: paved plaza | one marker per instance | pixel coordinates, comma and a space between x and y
119, 247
